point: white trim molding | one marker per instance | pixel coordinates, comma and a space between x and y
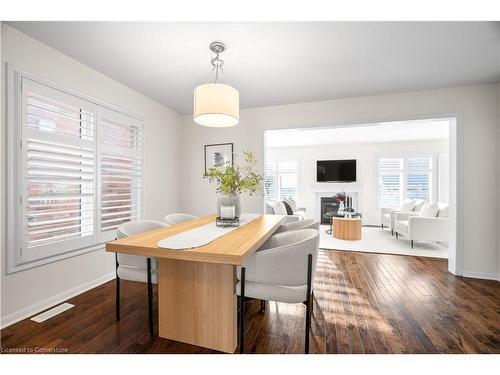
38, 307
481, 275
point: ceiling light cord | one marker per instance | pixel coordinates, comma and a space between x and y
217, 64
224, 75
210, 75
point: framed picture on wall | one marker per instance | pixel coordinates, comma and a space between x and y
217, 155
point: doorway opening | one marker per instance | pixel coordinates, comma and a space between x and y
405, 191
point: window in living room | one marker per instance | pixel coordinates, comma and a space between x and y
390, 172
281, 180
400, 178
418, 178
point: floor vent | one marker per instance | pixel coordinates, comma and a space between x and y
52, 312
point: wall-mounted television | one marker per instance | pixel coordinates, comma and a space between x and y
336, 170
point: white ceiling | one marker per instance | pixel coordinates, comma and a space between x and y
281, 63
396, 131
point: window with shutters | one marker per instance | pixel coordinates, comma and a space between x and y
281, 180
390, 173
401, 178
418, 177
271, 184
77, 173
120, 165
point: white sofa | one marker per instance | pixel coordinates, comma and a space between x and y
430, 224
278, 208
388, 215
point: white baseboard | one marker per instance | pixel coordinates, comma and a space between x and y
481, 275
26, 312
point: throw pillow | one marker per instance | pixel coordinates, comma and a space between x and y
292, 203
429, 210
444, 210
288, 208
279, 208
419, 203
407, 205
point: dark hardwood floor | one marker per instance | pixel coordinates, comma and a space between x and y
364, 303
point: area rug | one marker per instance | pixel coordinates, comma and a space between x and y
376, 240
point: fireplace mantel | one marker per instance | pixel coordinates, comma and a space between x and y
333, 187
354, 192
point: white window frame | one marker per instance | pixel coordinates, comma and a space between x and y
404, 174
16, 170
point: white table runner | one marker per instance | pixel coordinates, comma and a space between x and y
202, 235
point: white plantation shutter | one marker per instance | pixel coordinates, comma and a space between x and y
418, 177
58, 180
287, 174
271, 184
281, 180
400, 178
120, 171
389, 186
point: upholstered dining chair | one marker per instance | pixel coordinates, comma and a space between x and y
134, 267
296, 225
176, 218
282, 271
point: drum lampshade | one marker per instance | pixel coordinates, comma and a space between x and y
216, 105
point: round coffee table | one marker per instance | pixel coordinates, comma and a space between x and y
330, 231
347, 228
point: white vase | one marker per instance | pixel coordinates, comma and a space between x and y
341, 206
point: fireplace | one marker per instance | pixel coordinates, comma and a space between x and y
325, 194
329, 208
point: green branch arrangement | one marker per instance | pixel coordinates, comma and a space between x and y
235, 179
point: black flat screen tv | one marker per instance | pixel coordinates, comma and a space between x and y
336, 170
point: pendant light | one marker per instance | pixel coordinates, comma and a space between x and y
216, 104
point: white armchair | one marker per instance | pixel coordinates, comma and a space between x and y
176, 218
431, 224
135, 267
386, 219
283, 271
388, 215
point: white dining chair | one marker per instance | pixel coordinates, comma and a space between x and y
282, 271
176, 218
296, 225
134, 267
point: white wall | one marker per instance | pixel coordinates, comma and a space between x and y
23, 291
476, 105
366, 155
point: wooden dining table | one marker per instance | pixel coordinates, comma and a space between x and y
197, 301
